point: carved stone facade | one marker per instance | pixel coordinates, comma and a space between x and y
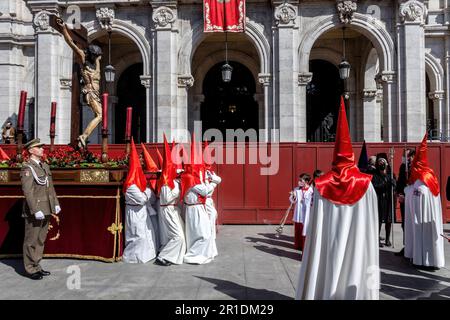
281, 39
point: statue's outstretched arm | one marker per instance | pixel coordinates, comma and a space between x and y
69, 40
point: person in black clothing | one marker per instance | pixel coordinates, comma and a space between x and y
383, 183
402, 182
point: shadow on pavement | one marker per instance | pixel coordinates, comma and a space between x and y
272, 242
16, 264
231, 289
282, 237
279, 252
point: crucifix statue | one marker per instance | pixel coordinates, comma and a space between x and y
89, 59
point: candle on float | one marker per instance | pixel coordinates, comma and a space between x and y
53, 119
128, 123
21, 115
105, 111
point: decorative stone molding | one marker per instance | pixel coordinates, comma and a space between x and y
265, 79
285, 14
146, 81
385, 77
413, 11
304, 78
370, 94
436, 95
185, 81
345, 9
379, 95
105, 17
163, 17
41, 20
66, 83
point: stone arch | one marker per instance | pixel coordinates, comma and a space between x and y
435, 72
192, 39
326, 54
129, 31
200, 72
125, 62
371, 69
373, 30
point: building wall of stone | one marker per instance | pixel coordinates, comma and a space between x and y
410, 41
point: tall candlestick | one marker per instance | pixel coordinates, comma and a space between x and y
128, 124
53, 119
21, 115
105, 112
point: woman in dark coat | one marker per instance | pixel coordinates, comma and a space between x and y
383, 184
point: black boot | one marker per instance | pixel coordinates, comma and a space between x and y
388, 234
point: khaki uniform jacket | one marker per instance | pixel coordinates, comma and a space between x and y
38, 197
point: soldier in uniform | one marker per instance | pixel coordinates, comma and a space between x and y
41, 202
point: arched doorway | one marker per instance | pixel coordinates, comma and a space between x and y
322, 101
229, 105
131, 92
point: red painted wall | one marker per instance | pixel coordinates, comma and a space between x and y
247, 197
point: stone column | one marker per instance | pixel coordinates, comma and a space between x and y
446, 113
194, 111
52, 74
371, 116
286, 38
438, 109
266, 106
391, 118
165, 67
412, 70
185, 82
302, 80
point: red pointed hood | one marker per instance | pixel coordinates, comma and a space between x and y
168, 174
135, 173
420, 170
160, 158
150, 164
177, 156
344, 184
3, 155
207, 157
194, 171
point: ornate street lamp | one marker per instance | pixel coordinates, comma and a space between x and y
110, 72
344, 66
227, 70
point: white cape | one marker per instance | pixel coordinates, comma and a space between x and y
423, 226
341, 258
171, 225
140, 235
212, 212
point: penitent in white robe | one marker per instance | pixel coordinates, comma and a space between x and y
172, 226
212, 212
341, 259
302, 207
199, 240
140, 246
423, 226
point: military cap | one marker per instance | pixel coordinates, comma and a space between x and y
34, 143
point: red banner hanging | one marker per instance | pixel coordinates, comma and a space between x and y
224, 15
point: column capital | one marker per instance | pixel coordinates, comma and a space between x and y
41, 20
345, 9
413, 12
105, 15
285, 15
265, 79
146, 81
370, 94
436, 95
66, 83
164, 17
386, 77
185, 81
304, 78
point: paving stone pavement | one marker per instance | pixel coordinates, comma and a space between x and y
252, 264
